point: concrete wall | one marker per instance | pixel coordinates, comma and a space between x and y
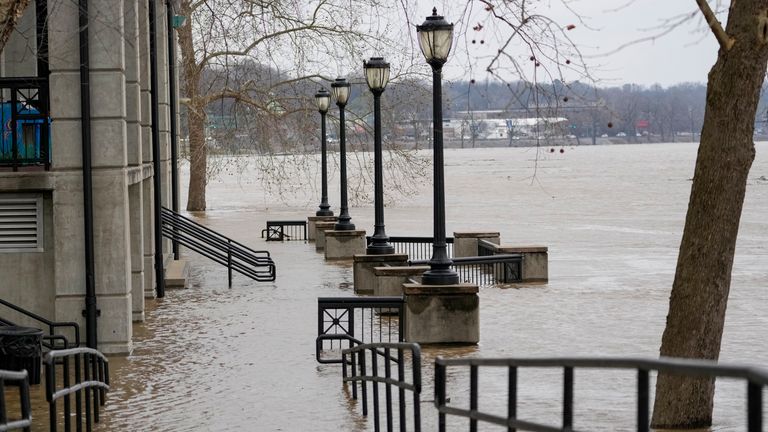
52, 283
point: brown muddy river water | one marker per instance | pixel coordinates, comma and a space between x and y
213, 358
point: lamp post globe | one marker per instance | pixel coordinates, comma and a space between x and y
340, 89
323, 101
435, 41
377, 76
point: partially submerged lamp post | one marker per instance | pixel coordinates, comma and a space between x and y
323, 100
340, 90
435, 40
377, 76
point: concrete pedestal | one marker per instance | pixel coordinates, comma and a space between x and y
388, 281
364, 278
465, 242
320, 229
176, 272
437, 314
535, 261
312, 225
344, 244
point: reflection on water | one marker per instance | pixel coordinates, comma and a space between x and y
213, 358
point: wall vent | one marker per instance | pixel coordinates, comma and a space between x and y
21, 223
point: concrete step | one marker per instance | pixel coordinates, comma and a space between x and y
176, 273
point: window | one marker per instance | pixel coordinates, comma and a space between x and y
21, 223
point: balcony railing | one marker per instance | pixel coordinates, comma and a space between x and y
25, 123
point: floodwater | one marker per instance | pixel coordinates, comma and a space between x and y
213, 358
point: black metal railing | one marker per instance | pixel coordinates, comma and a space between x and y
756, 380
417, 248
356, 320
285, 230
25, 122
257, 265
21, 380
54, 339
91, 382
374, 363
486, 270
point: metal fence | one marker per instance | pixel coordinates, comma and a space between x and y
486, 270
373, 363
21, 380
285, 230
350, 320
417, 248
755, 379
91, 382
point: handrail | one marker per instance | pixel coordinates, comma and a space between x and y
756, 378
257, 265
52, 325
91, 374
25, 422
367, 369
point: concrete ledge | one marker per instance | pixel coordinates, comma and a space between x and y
446, 314
388, 281
364, 278
176, 273
320, 229
344, 244
312, 220
419, 289
465, 242
535, 261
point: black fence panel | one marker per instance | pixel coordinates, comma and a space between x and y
20, 380
285, 230
344, 321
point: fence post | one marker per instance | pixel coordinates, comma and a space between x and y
229, 262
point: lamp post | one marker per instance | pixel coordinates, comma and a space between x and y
323, 100
435, 40
340, 90
377, 76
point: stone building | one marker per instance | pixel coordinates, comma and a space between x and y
43, 265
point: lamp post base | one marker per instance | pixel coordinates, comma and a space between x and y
324, 212
344, 225
440, 277
380, 248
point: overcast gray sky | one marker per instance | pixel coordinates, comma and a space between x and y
684, 55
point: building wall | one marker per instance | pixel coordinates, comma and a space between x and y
52, 282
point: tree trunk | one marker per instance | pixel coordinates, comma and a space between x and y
198, 152
703, 276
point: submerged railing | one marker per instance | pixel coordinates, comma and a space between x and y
374, 364
21, 380
417, 248
257, 265
91, 382
755, 379
351, 320
285, 230
486, 270
54, 339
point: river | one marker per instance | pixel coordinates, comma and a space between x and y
213, 358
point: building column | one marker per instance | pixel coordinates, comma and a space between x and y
146, 146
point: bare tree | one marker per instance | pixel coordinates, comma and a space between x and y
10, 12
262, 59
703, 276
